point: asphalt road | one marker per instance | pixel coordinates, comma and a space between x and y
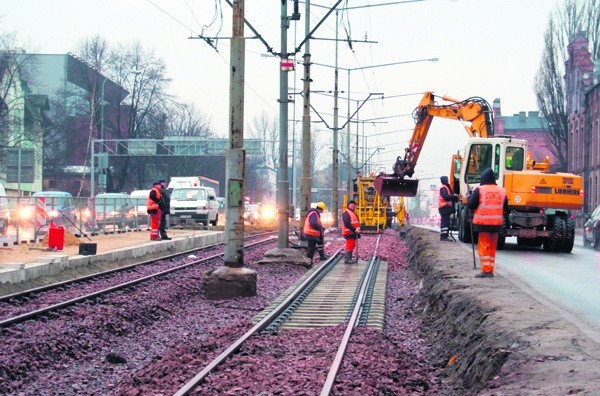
571, 280
567, 282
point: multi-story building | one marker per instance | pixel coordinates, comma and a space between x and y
531, 126
582, 91
71, 85
22, 120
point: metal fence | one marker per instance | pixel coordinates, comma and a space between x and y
29, 218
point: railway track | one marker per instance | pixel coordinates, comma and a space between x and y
18, 307
330, 294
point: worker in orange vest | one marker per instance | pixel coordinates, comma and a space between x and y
154, 211
350, 231
489, 201
314, 230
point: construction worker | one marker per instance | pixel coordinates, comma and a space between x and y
489, 201
446, 208
165, 208
350, 231
313, 231
401, 213
154, 211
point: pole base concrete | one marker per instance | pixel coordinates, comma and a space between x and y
225, 283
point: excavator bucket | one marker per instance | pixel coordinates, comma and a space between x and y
394, 186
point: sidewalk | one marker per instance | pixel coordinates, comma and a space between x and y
29, 261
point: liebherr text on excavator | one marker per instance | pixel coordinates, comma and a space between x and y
539, 200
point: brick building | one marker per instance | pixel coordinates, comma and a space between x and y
531, 126
582, 91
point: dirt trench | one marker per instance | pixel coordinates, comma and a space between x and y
491, 336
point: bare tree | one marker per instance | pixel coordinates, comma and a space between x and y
572, 17
15, 68
22, 114
266, 129
144, 76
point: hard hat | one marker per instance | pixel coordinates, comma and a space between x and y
321, 205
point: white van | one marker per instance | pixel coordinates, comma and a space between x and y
193, 181
194, 204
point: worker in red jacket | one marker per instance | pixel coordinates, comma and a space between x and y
152, 207
489, 201
350, 231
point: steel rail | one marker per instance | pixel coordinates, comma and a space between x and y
57, 285
352, 323
29, 315
264, 323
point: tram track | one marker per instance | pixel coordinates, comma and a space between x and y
333, 293
33, 303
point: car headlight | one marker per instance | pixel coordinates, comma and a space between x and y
25, 213
53, 214
86, 213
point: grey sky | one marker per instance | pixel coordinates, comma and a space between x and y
487, 48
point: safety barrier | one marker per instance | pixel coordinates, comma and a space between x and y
27, 219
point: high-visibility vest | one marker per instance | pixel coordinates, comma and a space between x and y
353, 220
491, 204
442, 202
150, 204
308, 230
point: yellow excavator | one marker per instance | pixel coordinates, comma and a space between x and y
540, 201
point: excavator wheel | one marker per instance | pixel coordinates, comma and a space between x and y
554, 243
569, 237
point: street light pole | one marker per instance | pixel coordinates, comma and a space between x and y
283, 183
335, 179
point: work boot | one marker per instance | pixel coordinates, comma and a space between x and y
485, 275
348, 258
323, 256
165, 238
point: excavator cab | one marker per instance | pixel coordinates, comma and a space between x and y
391, 185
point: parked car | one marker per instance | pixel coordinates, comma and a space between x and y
114, 209
591, 230
45, 207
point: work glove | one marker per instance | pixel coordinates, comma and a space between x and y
455, 198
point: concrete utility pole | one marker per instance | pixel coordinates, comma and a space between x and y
283, 183
335, 161
305, 180
233, 280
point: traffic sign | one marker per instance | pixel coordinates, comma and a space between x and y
287, 65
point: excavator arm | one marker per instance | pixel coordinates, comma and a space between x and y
475, 114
